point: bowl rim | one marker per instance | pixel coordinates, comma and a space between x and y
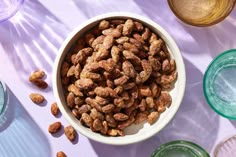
181, 72
205, 79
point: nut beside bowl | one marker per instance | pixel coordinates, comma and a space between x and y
133, 133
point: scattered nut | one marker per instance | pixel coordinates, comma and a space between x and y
54, 109
37, 98
70, 133
54, 127
61, 154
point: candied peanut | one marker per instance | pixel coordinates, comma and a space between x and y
155, 47
143, 105
128, 27
37, 74
153, 37
118, 89
137, 44
75, 112
84, 83
122, 40
96, 114
155, 89
115, 132
108, 41
119, 102
164, 99
140, 117
120, 27
83, 54
61, 154
138, 26
130, 56
120, 117
105, 92
127, 122
152, 117
102, 53
165, 65
128, 86
74, 89
97, 125
128, 69
115, 54
139, 38
172, 65
86, 119
101, 100
70, 133
54, 109
134, 92
150, 102
70, 99
110, 120
145, 91
107, 65
146, 34
84, 109
79, 101
112, 32
90, 75
40, 83
104, 128
155, 63
98, 40
121, 80
89, 38
108, 108
93, 103
37, 98
168, 79
104, 24
54, 127
130, 47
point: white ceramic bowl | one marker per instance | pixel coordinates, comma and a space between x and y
134, 133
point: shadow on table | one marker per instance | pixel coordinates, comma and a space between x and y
20, 136
33, 37
195, 121
193, 40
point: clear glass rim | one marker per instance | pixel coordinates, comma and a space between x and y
6, 98
202, 152
201, 24
205, 80
13, 12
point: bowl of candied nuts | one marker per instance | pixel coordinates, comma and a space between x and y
119, 78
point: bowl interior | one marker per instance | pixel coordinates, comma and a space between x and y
134, 133
219, 84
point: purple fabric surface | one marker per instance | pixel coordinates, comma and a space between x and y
30, 40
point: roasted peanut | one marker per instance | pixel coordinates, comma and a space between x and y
103, 25
54, 109
70, 133
54, 127
37, 98
152, 117
61, 154
38, 74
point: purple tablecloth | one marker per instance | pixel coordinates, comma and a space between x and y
31, 39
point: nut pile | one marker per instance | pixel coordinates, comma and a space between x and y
118, 74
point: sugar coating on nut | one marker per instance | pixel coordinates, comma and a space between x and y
118, 74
